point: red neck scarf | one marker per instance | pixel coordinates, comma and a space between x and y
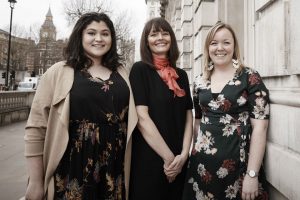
168, 74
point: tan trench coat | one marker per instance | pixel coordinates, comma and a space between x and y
46, 132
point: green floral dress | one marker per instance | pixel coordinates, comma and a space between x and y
219, 157
93, 164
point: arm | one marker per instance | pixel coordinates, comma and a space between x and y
188, 131
35, 188
35, 131
152, 136
198, 111
256, 154
176, 166
196, 128
258, 97
195, 131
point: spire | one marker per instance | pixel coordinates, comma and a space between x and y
49, 14
49, 18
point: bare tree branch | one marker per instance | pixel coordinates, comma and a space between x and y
17, 30
75, 8
123, 25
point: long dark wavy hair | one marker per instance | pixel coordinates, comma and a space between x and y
74, 52
158, 24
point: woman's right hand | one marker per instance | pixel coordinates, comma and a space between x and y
34, 191
170, 176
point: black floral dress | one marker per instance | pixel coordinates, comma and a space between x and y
93, 164
219, 157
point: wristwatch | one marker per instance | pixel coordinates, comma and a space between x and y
252, 173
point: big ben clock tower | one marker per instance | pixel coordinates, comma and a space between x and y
48, 50
48, 30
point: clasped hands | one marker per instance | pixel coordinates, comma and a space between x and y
173, 167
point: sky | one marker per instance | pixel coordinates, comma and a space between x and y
32, 13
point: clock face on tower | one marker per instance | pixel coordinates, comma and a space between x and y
45, 34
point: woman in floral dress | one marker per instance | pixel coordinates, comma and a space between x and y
231, 120
81, 118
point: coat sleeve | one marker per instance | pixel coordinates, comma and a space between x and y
36, 126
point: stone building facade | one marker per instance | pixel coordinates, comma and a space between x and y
153, 8
21, 55
269, 36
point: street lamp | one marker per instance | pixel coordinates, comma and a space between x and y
12, 5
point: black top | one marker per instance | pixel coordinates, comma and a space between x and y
93, 164
168, 113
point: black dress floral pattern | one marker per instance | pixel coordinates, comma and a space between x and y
93, 164
219, 157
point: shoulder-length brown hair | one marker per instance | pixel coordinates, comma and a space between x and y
158, 24
210, 36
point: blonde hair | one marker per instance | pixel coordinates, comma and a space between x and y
210, 36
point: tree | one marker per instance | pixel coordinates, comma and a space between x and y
127, 50
75, 8
122, 25
34, 32
122, 22
17, 30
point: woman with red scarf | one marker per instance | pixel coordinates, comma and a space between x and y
162, 139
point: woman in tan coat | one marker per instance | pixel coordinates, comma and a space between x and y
78, 135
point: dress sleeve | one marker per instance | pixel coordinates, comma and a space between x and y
139, 84
258, 96
189, 101
198, 111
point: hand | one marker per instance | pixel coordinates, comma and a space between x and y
34, 191
176, 165
167, 163
173, 169
171, 178
250, 188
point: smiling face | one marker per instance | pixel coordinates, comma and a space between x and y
221, 48
159, 42
96, 41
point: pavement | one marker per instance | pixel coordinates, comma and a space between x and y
13, 173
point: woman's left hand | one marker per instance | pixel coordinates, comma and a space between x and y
176, 166
250, 188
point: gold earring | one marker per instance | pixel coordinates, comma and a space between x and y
210, 66
235, 64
